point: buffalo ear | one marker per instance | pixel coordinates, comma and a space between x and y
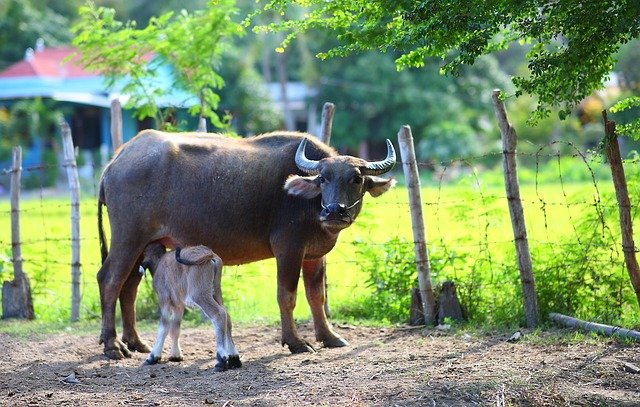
304, 187
377, 186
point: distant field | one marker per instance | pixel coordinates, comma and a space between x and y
464, 217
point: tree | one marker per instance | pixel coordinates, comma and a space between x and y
191, 43
446, 113
573, 42
22, 22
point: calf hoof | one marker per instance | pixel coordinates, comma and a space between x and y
222, 363
116, 350
301, 346
176, 359
152, 360
234, 362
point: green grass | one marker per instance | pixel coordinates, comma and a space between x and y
464, 216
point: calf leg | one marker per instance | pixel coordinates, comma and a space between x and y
174, 331
128, 295
163, 329
313, 272
226, 353
217, 296
288, 276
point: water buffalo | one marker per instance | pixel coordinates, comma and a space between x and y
283, 195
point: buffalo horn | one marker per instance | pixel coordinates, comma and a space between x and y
310, 167
380, 167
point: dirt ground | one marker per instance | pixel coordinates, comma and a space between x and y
382, 366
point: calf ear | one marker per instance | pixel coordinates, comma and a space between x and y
304, 187
377, 186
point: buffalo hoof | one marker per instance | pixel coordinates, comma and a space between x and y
117, 350
301, 347
334, 342
136, 345
152, 360
222, 363
234, 362
176, 359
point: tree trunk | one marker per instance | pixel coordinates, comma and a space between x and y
281, 61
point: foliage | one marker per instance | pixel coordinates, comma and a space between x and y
631, 128
22, 22
572, 42
368, 87
246, 99
27, 123
391, 276
132, 58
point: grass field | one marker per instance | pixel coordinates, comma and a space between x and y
465, 216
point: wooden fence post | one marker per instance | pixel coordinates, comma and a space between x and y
325, 136
74, 189
116, 125
410, 167
16, 294
202, 125
509, 142
624, 204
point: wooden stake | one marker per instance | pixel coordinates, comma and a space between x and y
327, 122
624, 204
74, 189
410, 167
509, 142
116, 124
325, 136
601, 329
202, 125
16, 294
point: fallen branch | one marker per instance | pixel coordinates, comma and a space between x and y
601, 329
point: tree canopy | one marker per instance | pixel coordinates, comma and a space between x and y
192, 43
573, 42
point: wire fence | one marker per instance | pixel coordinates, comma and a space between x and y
569, 205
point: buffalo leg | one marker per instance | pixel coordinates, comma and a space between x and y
128, 295
313, 273
111, 278
288, 276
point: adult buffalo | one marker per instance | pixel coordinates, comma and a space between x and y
282, 195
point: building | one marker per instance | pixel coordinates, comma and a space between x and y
55, 74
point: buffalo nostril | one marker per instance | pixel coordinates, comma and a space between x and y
336, 208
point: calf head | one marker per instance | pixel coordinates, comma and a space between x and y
151, 256
341, 181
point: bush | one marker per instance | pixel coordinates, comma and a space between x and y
391, 277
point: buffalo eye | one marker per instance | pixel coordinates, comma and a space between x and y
321, 179
356, 180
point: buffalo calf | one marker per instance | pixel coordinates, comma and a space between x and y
187, 277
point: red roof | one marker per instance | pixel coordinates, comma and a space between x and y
48, 63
